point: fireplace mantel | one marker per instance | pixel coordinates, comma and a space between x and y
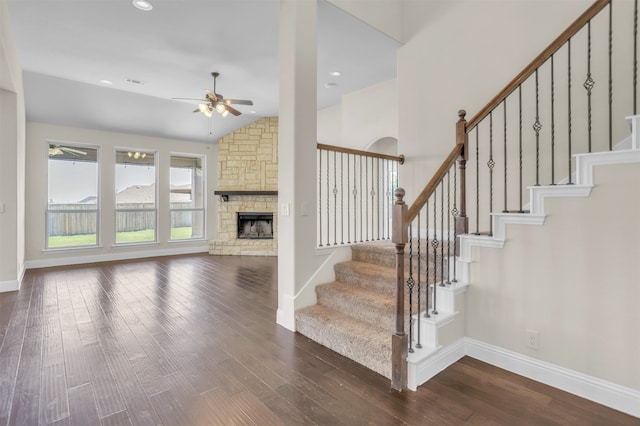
225, 193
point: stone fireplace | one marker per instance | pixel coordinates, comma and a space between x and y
247, 186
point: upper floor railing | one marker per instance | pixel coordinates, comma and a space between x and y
355, 195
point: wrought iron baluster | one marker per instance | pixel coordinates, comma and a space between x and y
442, 232
388, 196
378, 205
588, 84
355, 201
335, 198
320, 198
426, 261
569, 104
373, 194
348, 200
504, 132
490, 164
366, 200
553, 125
328, 202
610, 76
478, 179
635, 57
434, 245
418, 344
361, 224
341, 198
454, 213
520, 147
449, 226
537, 126
410, 284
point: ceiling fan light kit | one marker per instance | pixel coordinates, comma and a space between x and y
215, 101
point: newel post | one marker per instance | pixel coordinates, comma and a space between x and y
462, 221
400, 340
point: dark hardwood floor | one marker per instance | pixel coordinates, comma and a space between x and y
192, 340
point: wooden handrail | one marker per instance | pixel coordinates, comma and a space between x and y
538, 61
399, 158
437, 177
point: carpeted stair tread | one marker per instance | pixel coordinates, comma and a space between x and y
383, 253
365, 305
367, 275
361, 341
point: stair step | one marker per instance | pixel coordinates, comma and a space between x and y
364, 305
361, 341
383, 253
368, 276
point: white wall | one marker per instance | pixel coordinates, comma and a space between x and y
12, 163
363, 117
575, 280
36, 201
458, 55
384, 15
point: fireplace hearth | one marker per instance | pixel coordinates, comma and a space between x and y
255, 225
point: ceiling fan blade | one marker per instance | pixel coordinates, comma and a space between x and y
232, 110
238, 101
72, 150
191, 100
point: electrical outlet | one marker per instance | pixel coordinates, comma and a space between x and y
532, 339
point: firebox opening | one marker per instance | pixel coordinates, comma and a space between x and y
255, 225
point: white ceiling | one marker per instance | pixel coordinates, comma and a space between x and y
67, 46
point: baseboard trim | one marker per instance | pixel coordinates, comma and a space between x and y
286, 313
601, 391
113, 256
419, 371
9, 285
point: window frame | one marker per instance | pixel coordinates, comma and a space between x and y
203, 209
116, 210
96, 210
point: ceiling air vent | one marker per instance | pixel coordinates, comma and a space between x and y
134, 81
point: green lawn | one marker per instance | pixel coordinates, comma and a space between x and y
147, 235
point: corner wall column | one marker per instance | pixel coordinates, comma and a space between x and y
297, 135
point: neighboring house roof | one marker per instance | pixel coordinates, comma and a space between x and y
137, 194
146, 194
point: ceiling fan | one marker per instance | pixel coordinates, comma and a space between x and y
216, 102
61, 150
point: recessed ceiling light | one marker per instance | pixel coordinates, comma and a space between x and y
142, 5
108, 82
330, 84
253, 111
335, 73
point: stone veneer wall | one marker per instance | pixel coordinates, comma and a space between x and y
247, 161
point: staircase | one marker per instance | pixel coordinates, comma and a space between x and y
355, 314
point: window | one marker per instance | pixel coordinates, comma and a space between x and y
187, 198
136, 208
72, 208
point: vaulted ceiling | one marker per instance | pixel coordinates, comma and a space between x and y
68, 48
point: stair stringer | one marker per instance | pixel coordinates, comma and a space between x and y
425, 363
